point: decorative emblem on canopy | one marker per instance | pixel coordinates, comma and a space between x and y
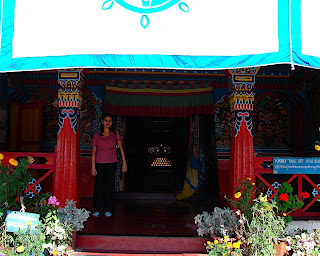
146, 7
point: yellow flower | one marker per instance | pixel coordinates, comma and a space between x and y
20, 248
216, 241
249, 179
13, 162
223, 247
253, 183
236, 245
1, 157
208, 242
284, 214
211, 246
229, 245
268, 208
54, 253
317, 147
237, 195
29, 223
263, 198
226, 238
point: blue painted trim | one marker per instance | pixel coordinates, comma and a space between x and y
151, 9
298, 57
140, 61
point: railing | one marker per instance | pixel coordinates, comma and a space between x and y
42, 170
299, 182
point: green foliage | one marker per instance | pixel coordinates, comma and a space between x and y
259, 235
245, 192
39, 204
13, 183
293, 203
58, 235
29, 242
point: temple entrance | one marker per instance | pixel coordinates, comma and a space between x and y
157, 154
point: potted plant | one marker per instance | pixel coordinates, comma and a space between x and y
218, 224
55, 227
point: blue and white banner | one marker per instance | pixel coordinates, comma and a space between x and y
296, 165
175, 34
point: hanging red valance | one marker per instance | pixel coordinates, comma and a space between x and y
158, 102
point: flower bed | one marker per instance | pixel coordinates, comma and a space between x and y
257, 226
50, 229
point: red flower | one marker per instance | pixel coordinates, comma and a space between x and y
305, 194
284, 197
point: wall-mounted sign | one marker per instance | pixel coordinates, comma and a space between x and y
22, 221
296, 165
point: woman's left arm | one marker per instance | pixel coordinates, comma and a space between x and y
124, 163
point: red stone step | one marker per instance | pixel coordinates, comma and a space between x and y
140, 244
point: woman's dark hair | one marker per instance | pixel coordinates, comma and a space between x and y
103, 116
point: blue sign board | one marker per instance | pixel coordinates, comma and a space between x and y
296, 165
22, 221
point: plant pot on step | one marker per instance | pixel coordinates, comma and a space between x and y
72, 246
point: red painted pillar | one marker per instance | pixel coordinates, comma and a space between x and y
66, 175
241, 103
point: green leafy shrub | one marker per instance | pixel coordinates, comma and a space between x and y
286, 201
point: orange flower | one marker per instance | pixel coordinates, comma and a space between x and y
13, 162
1, 157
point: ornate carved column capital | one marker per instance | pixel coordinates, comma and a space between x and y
70, 97
69, 94
241, 84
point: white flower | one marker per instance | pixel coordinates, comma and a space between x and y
58, 235
61, 248
48, 246
58, 228
48, 230
289, 239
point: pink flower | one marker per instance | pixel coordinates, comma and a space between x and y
53, 200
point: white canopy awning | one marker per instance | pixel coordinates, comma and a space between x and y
173, 34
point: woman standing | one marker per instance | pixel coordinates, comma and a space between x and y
104, 164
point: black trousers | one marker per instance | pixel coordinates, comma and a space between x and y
104, 187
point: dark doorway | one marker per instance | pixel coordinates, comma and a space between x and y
157, 154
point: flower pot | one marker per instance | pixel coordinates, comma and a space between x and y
281, 249
72, 246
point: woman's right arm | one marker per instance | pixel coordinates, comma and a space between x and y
93, 161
